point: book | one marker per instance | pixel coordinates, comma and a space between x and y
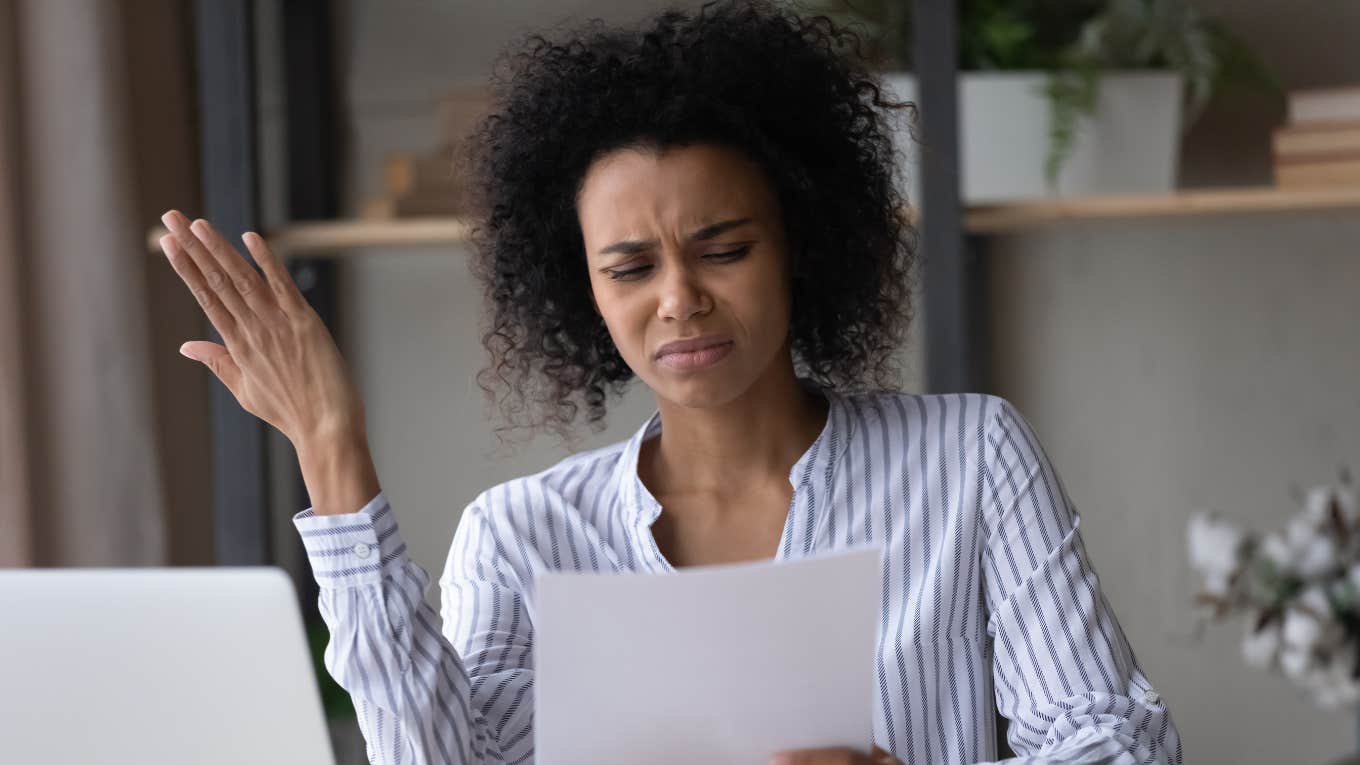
1324, 105
408, 173
1316, 142
1315, 174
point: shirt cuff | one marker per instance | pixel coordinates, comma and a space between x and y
351, 549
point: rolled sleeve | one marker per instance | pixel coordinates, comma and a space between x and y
1066, 676
352, 549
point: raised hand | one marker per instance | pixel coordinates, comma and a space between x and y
279, 361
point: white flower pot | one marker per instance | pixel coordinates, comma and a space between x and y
1131, 145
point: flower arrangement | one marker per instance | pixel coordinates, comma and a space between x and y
1299, 587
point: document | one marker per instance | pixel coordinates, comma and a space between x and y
712, 665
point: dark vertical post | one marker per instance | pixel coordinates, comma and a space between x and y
313, 164
226, 87
951, 355
954, 288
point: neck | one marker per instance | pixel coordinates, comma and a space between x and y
748, 443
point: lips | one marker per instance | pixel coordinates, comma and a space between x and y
689, 345
691, 361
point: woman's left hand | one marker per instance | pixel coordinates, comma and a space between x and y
834, 756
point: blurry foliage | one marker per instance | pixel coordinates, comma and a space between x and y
1074, 40
335, 700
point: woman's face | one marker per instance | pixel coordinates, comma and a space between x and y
688, 245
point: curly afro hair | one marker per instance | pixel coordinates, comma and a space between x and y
750, 75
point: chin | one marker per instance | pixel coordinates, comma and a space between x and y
701, 390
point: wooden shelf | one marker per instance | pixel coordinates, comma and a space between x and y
1003, 218
324, 238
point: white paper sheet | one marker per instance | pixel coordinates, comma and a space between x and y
715, 665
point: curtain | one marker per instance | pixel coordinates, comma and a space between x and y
101, 433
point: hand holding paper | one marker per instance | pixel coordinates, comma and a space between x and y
719, 664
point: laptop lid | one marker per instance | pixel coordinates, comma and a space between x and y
156, 666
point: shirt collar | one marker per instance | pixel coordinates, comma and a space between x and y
816, 466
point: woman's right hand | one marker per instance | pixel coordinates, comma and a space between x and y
280, 362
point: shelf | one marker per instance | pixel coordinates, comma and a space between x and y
324, 238
1004, 218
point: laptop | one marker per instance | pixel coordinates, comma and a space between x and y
156, 666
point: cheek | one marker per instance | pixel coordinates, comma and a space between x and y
760, 301
626, 317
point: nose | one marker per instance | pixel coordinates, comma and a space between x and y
682, 295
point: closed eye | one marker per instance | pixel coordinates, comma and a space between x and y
721, 257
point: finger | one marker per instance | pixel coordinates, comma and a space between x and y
248, 285
881, 756
839, 755
208, 300
216, 358
217, 279
280, 281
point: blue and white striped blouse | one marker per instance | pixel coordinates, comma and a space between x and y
989, 600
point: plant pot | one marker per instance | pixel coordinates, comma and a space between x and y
1131, 144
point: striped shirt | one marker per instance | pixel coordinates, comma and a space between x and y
989, 599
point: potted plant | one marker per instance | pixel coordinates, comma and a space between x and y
1064, 97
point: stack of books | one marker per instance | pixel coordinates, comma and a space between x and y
1320, 145
429, 183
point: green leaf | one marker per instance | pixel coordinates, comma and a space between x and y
335, 700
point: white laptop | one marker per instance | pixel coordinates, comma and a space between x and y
156, 666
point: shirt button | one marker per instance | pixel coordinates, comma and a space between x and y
362, 550
1151, 697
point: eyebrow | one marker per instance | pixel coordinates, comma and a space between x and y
633, 246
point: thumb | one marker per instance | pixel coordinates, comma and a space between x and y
216, 358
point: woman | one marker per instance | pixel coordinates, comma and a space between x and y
708, 205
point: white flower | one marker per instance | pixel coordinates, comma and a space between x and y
1301, 629
1300, 531
1315, 598
1216, 584
1317, 505
1296, 662
1304, 548
1214, 545
1259, 648
1317, 556
1277, 550
1309, 621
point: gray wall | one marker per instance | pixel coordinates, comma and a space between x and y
1166, 365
